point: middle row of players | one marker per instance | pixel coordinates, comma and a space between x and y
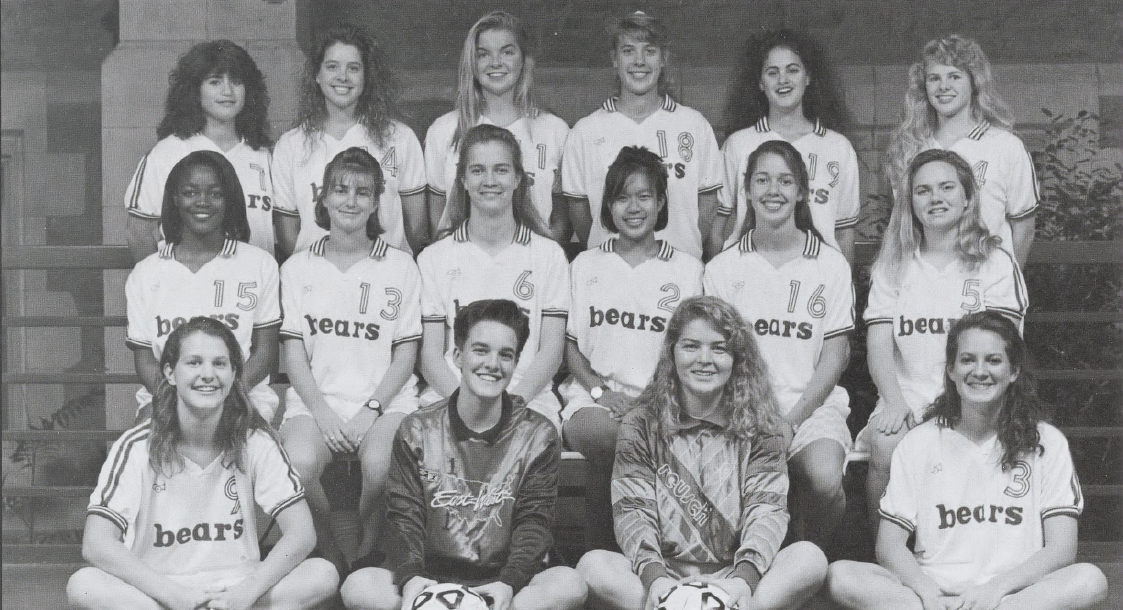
360, 316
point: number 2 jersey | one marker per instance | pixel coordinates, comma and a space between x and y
972, 520
350, 321
199, 519
926, 303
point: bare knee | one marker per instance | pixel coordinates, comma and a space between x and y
308, 461
822, 477
93, 589
312, 583
809, 559
592, 432
370, 589
84, 587
1087, 581
844, 577
602, 570
558, 588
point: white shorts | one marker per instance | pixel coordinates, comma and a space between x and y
863, 443
680, 570
262, 397
575, 397
828, 421
226, 577
405, 402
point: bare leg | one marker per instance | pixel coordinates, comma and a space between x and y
309, 456
94, 589
882, 446
311, 585
795, 575
559, 588
592, 431
370, 589
856, 585
612, 584
374, 453
1074, 587
820, 501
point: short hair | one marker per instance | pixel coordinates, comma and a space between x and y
353, 161
646, 28
235, 225
183, 110
503, 311
634, 160
794, 161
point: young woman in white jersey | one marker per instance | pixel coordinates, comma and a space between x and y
623, 294
952, 103
171, 523
216, 101
937, 263
348, 98
987, 488
205, 269
496, 86
498, 247
795, 292
352, 327
785, 89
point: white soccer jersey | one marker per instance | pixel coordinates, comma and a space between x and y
532, 272
620, 312
239, 287
298, 171
972, 520
792, 310
926, 303
832, 168
1004, 172
681, 136
144, 196
541, 140
351, 320
201, 518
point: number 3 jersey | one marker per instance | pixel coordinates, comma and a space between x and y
239, 288
199, 519
350, 321
972, 520
926, 303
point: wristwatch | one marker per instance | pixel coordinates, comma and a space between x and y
596, 392
374, 405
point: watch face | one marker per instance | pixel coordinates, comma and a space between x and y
374, 405
596, 392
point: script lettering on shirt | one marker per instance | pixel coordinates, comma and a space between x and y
921, 326
486, 498
682, 491
783, 328
964, 515
342, 328
166, 326
626, 319
201, 532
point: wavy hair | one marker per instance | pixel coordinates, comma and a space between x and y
1021, 409
645, 28
459, 203
470, 102
794, 161
747, 399
634, 160
183, 109
822, 100
502, 311
238, 418
235, 225
920, 120
905, 233
377, 108
354, 161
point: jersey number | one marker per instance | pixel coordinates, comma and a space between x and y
816, 305
971, 291
1019, 487
523, 288
541, 156
393, 306
260, 175
833, 168
669, 302
244, 292
364, 297
980, 171
388, 163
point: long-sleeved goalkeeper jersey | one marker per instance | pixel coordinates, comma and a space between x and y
703, 497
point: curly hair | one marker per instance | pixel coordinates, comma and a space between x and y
634, 160
904, 233
470, 102
235, 225
747, 399
503, 311
920, 120
238, 415
183, 110
459, 203
822, 100
377, 108
794, 161
644, 28
1021, 409
351, 162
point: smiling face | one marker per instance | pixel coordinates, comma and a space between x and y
204, 375
981, 371
201, 201
773, 190
490, 177
938, 198
350, 201
488, 359
703, 362
783, 79
341, 76
638, 65
635, 211
948, 89
499, 61
222, 97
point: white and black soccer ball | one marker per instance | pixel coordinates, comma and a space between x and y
695, 596
449, 596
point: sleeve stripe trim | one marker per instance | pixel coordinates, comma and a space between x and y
432, 318
269, 324
134, 344
284, 212
842, 331
574, 195
1029, 212
903, 523
553, 313
710, 189
435, 190
570, 337
873, 321
1071, 511
111, 515
408, 339
414, 191
1010, 312
291, 334
846, 223
287, 503
139, 214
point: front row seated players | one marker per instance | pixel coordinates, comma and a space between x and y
988, 490
473, 481
701, 483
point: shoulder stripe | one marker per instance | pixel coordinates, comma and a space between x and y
522, 234
669, 103
812, 246
229, 248
819, 129
609, 245
168, 251
980, 129
905, 524
762, 125
378, 249
746, 244
609, 105
121, 460
666, 251
461, 232
138, 177
319, 246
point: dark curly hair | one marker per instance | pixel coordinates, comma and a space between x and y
634, 160
238, 415
1021, 409
377, 107
235, 225
822, 100
794, 161
352, 161
503, 311
183, 111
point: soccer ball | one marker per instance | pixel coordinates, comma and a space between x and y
449, 596
694, 596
